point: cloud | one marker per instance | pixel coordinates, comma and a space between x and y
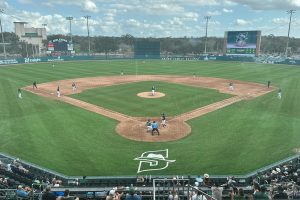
280, 20
268, 4
89, 6
227, 10
213, 13
242, 22
25, 1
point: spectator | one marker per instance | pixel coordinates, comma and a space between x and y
67, 196
206, 182
261, 193
21, 192
113, 195
240, 195
198, 196
132, 195
281, 194
48, 195
173, 195
217, 191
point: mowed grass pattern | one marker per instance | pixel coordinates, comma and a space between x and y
234, 140
123, 98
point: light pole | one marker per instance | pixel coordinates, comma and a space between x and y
3, 43
70, 20
88, 31
206, 18
290, 12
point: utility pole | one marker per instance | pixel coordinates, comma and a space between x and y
70, 19
44, 25
290, 12
3, 43
88, 31
206, 18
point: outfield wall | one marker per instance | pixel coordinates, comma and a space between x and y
117, 57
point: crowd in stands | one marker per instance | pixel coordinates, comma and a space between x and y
280, 182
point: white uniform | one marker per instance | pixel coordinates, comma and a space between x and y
153, 90
20, 95
58, 92
279, 95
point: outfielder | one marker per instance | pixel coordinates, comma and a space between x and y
19, 93
279, 93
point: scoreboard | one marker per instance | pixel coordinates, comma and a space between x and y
242, 43
59, 45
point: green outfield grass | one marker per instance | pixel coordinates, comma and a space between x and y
234, 140
123, 98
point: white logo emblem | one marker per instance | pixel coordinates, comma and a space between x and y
153, 160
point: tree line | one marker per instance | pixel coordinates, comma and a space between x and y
125, 45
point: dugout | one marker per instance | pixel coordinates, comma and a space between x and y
147, 49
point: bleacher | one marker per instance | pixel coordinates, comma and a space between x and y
14, 172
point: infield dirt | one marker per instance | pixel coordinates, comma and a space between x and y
134, 128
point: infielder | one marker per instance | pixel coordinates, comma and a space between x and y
231, 86
269, 83
153, 90
34, 85
74, 86
58, 91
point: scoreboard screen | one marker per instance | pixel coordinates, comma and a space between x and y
60, 45
242, 42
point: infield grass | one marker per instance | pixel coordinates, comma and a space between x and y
123, 98
234, 140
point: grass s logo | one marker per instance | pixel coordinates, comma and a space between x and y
153, 160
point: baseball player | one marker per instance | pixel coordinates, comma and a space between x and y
58, 91
149, 125
122, 73
153, 90
53, 65
19, 93
34, 85
74, 86
269, 83
279, 93
163, 120
231, 86
155, 127
194, 75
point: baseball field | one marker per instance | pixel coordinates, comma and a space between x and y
99, 129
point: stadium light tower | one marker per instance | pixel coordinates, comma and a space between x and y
70, 20
290, 12
206, 18
3, 43
88, 31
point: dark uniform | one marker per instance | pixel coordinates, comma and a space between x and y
34, 85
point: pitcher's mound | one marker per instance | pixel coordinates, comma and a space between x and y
149, 95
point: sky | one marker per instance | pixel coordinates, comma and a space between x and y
154, 18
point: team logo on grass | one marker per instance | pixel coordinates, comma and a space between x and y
154, 160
